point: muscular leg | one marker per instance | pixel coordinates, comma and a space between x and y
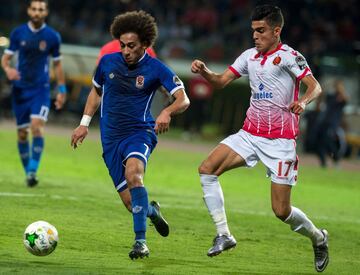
37, 130
126, 199
23, 147
298, 221
221, 159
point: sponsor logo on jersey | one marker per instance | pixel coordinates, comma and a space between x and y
277, 60
294, 53
42, 45
140, 82
262, 94
111, 76
301, 62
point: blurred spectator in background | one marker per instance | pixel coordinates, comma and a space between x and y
200, 93
330, 134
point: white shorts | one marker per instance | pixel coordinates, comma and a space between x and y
278, 155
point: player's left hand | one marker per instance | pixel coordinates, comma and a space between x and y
297, 107
162, 122
60, 100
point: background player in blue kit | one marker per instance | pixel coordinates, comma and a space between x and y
124, 84
34, 42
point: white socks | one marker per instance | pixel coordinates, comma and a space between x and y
301, 224
214, 200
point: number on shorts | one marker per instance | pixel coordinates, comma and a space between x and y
280, 168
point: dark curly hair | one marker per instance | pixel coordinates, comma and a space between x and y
271, 14
139, 22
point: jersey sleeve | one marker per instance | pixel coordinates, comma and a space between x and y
240, 66
169, 79
55, 51
298, 65
98, 79
14, 43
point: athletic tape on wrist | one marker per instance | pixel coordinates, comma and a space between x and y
85, 121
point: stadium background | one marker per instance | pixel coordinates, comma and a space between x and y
325, 32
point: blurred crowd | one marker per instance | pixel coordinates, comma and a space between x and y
216, 30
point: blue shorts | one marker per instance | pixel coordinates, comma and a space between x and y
30, 103
138, 145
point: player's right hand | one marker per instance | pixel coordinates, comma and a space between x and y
197, 66
12, 74
78, 136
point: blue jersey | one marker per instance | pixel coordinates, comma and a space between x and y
127, 94
34, 48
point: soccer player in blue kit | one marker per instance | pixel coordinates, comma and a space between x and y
124, 85
34, 42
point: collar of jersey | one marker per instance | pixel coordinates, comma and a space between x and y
36, 30
269, 53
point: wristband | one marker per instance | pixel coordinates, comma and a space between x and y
62, 89
85, 121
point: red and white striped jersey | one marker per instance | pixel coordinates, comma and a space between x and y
275, 81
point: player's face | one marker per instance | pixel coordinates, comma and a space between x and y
131, 47
37, 12
266, 38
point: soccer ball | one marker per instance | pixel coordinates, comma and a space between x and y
40, 238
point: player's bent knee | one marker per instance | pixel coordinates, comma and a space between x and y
22, 135
281, 212
205, 168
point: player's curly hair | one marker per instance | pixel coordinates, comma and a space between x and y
271, 14
139, 22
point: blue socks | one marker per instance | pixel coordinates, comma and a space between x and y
24, 152
151, 211
36, 151
140, 205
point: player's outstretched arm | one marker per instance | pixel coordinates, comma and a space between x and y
179, 105
61, 95
313, 90
11, 73
218, 81
92, 104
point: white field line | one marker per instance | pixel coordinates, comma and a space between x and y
186, 207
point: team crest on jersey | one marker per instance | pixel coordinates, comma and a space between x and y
277, 60
140, 82
301, 62
23, 43
111, 75
42, 45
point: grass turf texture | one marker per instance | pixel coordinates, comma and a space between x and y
95, 231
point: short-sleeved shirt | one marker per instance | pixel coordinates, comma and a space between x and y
275, 82
34, 47
127, 94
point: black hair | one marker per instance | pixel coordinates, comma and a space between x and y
271, 14
139, 22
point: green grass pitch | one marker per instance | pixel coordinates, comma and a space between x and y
95, 231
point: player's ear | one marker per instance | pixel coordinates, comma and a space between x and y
277, 31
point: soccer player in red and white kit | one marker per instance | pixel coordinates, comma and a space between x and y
275, 71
